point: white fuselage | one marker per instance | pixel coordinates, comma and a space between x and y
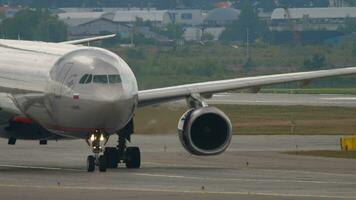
46, 83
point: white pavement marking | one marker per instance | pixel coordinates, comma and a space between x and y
244, 168
40, 167
339, 98
244, 179
223, 94
308, 172
245, 101
180, 165
176, 191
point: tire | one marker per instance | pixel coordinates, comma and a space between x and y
102, 164
90, 163
133, 158
112, 157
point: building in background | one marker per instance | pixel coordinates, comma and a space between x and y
337, 3
82, 24
157, 18
196, 33
7, 11
101, 9
311, 19
89, 22
221, 16
187, 17
119, 22
224, 4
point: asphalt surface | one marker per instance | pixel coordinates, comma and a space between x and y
284, 99
252, 168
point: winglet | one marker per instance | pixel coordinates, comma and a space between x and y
81, 41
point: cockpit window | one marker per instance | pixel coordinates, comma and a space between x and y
114, 79
103, 79
83, 79
90, 78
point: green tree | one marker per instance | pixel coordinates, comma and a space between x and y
50, 29
34, 25
247, 23
111, 42
173, 31
207, 36
315, 63
350, 25
351, 2
304, 3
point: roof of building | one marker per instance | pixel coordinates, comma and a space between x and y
77, 18
101, 9
299, 13
145, 15
222, 14
185, 10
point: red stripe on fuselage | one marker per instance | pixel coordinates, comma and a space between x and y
23, 120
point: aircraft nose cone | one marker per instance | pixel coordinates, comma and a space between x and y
107, 94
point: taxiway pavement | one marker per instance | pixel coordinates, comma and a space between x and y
252, 168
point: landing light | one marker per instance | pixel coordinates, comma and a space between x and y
92, 137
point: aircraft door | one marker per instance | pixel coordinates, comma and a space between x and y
61, 77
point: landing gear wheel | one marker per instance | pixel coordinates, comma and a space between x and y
133, 158
102, 164
112, 157
90, 163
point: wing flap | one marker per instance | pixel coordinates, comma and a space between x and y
155, 96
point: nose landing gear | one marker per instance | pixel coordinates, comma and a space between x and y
96, 141
112, 156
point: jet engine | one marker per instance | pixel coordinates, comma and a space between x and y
204, 131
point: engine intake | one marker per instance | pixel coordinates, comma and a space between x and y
205, 131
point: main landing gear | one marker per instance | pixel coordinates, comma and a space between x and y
131, 156
112, 156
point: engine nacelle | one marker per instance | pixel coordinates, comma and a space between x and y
205, 131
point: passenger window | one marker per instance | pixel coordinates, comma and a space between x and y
82, 80
103, 79
90, 78
114, 79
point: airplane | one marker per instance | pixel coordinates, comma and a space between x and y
62, 91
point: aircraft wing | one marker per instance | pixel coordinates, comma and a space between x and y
81, 41
160, 95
